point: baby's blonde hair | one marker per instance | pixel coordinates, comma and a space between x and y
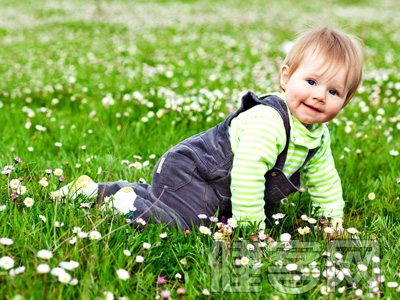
338, 49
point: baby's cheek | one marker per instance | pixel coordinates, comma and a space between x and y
335, 108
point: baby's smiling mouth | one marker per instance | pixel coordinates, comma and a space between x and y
312, 107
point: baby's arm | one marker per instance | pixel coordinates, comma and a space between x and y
258, 137
323, 181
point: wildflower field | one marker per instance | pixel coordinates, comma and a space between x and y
105, 87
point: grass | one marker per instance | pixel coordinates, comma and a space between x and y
87, 85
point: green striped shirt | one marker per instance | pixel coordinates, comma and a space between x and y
257, 137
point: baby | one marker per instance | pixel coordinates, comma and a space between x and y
256, 156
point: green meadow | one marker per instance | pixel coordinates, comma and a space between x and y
105, 87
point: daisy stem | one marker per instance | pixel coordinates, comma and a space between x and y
54, 227
60, 294
379, 296
8, 183
44, 286
298, 201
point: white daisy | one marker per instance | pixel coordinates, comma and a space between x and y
291, 267
69, 265
123, 274
205, 230
6, 241
94, 235
29, 202
244, 261
285, 237
64, 278
58, 172
139, 259
43, 268
45, 254
14, 183
6, 262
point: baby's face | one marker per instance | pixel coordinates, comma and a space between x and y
315, 93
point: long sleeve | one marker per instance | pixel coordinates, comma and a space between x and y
323, 182
258, 138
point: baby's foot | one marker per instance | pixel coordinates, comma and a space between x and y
122, 202
83, 185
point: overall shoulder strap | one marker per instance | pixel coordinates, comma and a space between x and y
281, 108
250, 100
310, 154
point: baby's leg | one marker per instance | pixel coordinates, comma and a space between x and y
147, 207
182, 193
120, 196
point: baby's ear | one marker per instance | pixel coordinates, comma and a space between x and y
284, 76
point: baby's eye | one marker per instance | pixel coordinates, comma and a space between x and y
311, 82
333, 92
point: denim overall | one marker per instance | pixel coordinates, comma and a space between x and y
194, 177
